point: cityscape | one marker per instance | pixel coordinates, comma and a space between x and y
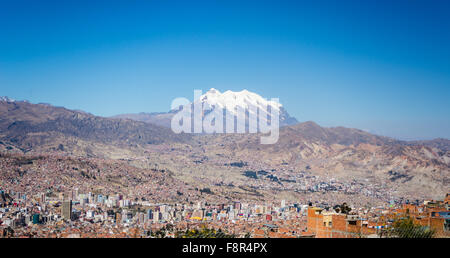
89, 215
238, 121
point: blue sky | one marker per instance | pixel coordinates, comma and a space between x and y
381, 66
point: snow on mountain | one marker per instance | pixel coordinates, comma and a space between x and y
6, 99
213, 101
242, 99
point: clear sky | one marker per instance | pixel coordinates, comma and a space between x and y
380, 66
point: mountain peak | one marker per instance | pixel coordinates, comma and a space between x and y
227, 101
244, 99
241, 98
6, 99
213, 91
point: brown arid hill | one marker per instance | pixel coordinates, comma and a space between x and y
53, 173
403, 168
161, 119
26, 126
300, 166
439, 143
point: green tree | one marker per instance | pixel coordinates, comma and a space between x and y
406, 228
343, 208
202, 233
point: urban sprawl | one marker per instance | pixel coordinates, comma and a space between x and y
85, 215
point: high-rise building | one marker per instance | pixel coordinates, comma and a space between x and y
74, 194
42, 197
149, 214
67, 209
156, 216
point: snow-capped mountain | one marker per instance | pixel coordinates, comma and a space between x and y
212, 99
6, 99
242, 99
239, 105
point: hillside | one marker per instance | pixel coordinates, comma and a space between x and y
28, 126
308, 159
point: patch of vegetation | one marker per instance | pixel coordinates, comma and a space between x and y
251, 191
406, 228
397, 175
202, 232
273, 178
343, 208
287, 180
237, 164
250, 174
254, 174
263, 172
206, 190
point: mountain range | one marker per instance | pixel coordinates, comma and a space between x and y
25, 126
306, 153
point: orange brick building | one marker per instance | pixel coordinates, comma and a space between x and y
325, 224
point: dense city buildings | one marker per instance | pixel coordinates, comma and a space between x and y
78, 214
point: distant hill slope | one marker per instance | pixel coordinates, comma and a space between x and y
334, 135
439, 143
161, 119
27, 125
351, 156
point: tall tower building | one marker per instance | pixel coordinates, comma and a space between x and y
67, 209
156, 216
